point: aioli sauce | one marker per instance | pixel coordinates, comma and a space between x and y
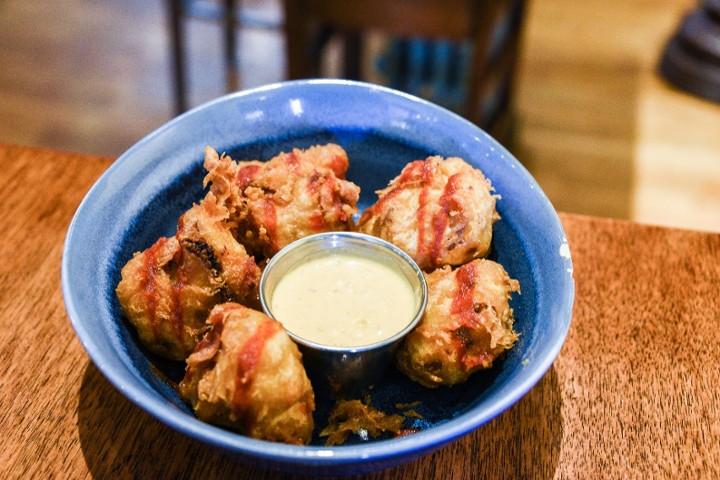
343, 300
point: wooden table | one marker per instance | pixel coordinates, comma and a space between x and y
633, 393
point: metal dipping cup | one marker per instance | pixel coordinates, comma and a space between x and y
344, 371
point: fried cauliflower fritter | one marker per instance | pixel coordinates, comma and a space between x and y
206, 231
291, 196
167, 291
354, 416
440, 211
246, 374
468, 322
193, 297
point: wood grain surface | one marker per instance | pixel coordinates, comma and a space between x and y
597, 126
633, 394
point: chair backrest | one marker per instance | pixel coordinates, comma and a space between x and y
491, 28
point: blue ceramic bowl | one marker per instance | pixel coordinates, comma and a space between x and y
142, 194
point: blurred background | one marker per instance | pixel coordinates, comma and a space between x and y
602, 132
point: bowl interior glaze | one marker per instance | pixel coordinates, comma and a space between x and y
143, 193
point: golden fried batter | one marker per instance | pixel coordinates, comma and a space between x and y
354, 416
206, 232
439, 211
468, 322
291, 196
167, 291
246, 374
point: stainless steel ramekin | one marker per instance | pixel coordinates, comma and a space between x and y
344, 371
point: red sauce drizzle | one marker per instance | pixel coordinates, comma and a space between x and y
149, 282
377, 206
251, 273
176, 310
248, 358
373, 209
339, 213
268, 219
250, 280
479, 358
316, 221
246, 175
292, 161
426, 174
463, 304
447, 203
217, 315
316, 184
339, 166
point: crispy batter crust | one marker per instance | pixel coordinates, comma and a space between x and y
194, 296
440, 211
246, 374
167, 291
293, 195
468, 323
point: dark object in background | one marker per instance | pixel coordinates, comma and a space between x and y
691, 60
232, 14
481, 37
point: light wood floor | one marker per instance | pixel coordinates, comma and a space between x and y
597, 127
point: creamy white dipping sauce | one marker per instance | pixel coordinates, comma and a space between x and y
343, 300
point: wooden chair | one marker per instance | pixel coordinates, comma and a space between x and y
231, 14
691, 59
493, 28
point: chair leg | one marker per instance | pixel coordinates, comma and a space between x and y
352, 68
232, 70
494, 76
486, 15
178, 67
296, 39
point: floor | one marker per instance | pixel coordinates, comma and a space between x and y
598, 128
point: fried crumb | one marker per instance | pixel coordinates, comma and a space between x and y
354, 416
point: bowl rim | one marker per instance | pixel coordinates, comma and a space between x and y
277, 455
